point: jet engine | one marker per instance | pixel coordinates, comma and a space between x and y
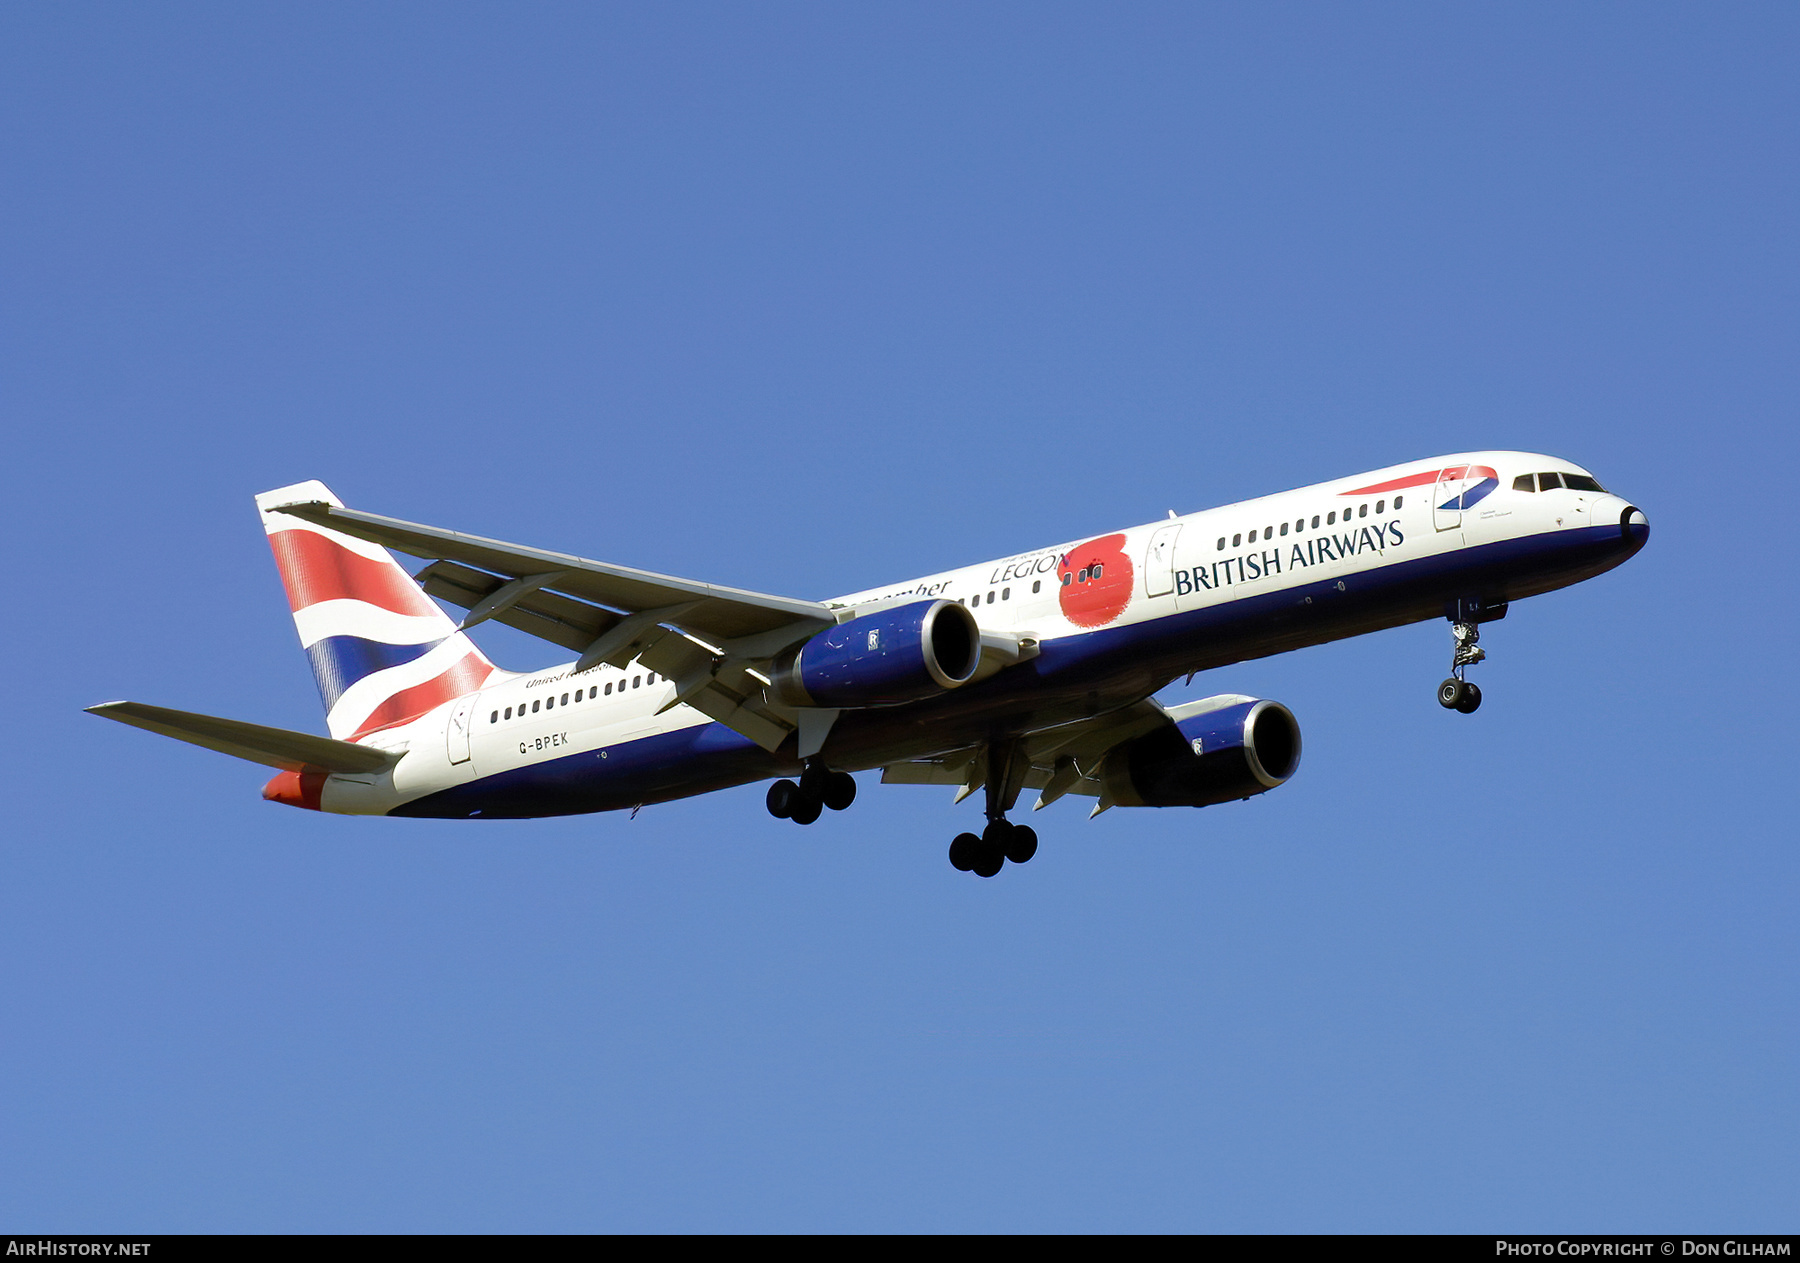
1242, 748
902, 654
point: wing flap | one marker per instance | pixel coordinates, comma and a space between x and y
550, 616
272, 747
1059, 761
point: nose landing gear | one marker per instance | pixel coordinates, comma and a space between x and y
1456, 693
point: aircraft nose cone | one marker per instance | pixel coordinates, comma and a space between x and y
1634, 526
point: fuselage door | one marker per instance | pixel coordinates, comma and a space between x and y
1159, 561
1446, 498
462, 720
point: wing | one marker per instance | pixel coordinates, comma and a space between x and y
1067, 759
713, 641
1055, 761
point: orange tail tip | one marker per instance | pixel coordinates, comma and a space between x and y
296, 789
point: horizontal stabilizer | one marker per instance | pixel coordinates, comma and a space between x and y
273, 747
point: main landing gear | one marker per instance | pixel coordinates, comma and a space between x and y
1457, 693
819, 788
986, 853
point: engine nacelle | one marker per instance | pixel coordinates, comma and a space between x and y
894, 655
1242, 748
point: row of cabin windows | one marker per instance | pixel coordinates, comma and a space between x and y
1083, 575
1005, 594
1551, 482
587, 694
1268, 532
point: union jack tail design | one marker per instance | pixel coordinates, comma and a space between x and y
382, 651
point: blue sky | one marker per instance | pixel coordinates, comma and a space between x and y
812, 298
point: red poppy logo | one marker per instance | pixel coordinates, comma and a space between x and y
1096, 581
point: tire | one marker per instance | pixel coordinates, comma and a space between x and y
805, 809
1470, 701
1023, 844
989, 863
840, 791
1450, 693
814, 780
782, 797
963, 849
997, 835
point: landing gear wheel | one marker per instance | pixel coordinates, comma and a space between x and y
806, 808
963, 850
989, 863
782, 797
1450, 693
1470, 701
1022, 845
840, 790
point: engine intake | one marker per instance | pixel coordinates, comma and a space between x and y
1243, 748
895, 655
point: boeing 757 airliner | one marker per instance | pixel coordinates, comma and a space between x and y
1035, 671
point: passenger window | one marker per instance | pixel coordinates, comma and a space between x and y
1037, 585
1067, 579
1315, 525
1364, 510
1525, 482
494, 718
1236, 540
1299, 526
1331, 518
609, 688
1549, 482
550, 703
593, 692
534, 707
1006, 594
1284, 528
565, 699
1221, 543
1096, 571
1380, 507
636, 681
509, 712
1397, 500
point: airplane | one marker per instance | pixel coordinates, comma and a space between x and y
1035, 671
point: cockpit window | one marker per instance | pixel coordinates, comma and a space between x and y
1525, 482
1549, 482
1581, 482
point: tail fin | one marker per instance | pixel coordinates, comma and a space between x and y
382, 651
